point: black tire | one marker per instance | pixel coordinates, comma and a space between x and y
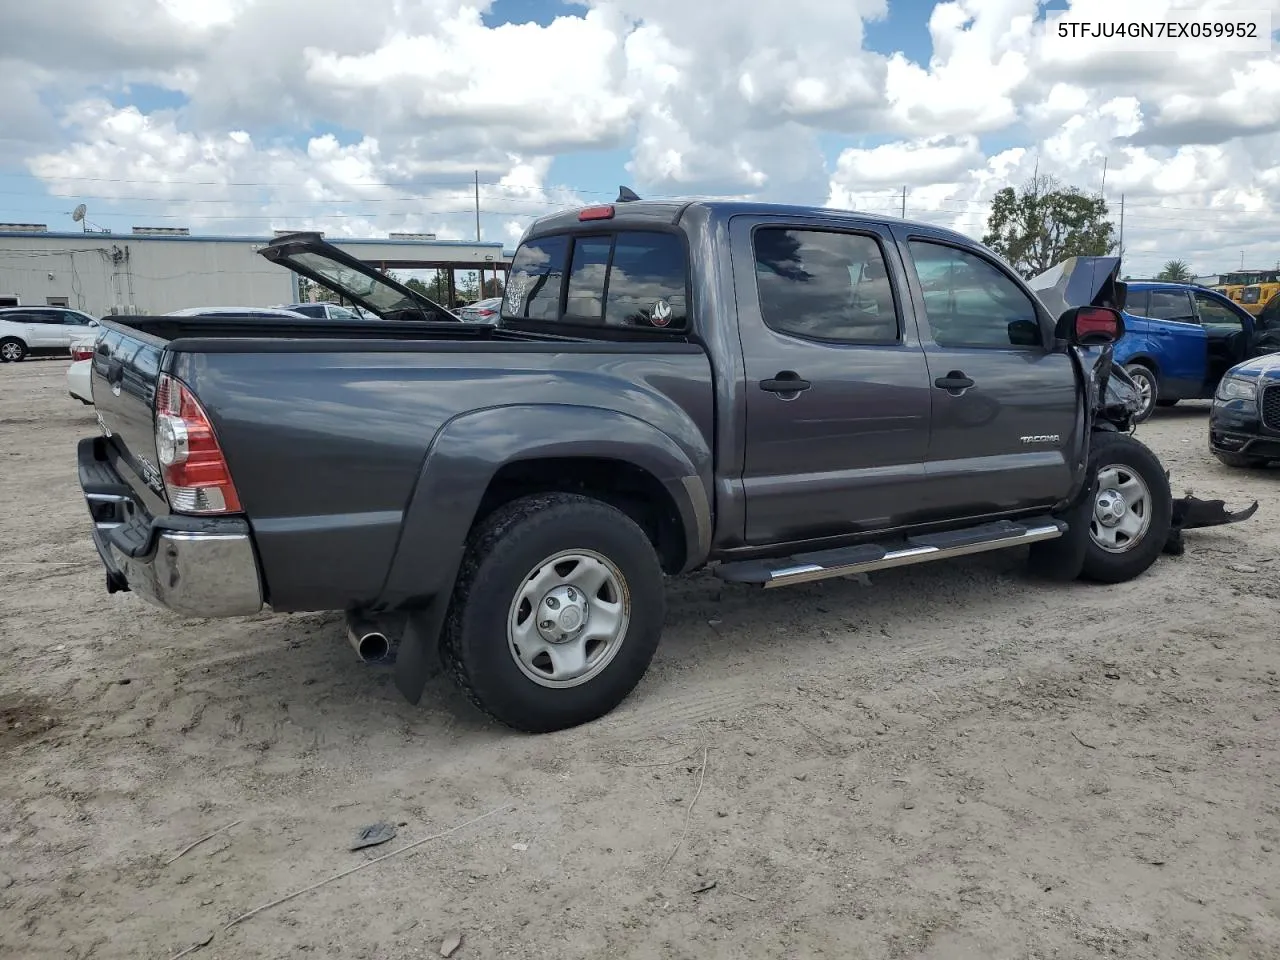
1120, 450
12, 350
501, 555
1240, 461
1145, 380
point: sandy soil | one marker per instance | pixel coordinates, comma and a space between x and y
953, 762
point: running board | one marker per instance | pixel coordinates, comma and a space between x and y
863, 558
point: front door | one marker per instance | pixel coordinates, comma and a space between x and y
1229, 331
1005, 407
837, 398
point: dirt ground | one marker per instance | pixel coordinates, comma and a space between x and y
953, 762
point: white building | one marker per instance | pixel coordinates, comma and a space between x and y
155, 270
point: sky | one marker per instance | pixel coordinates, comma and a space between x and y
246, 116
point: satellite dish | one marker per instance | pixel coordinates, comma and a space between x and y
78, 213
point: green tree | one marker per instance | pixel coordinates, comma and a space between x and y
1176, 271
1045, 222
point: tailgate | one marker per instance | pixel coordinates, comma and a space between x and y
126, 367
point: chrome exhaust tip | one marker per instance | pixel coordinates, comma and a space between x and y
368, 640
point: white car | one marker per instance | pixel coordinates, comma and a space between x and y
41, 331
325, 311
78, 382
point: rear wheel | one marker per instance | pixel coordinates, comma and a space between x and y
1144, 379
556, 614
12, 350
1132, 509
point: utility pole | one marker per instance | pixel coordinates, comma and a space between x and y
1103, 191
904, 202
477, 205
1120, 250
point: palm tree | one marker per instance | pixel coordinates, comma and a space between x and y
1176, 271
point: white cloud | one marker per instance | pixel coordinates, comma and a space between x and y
373, 116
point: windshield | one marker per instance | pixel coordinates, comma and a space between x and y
386, 299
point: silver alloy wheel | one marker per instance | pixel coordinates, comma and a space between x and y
1121, 509
569, 619
1143, 381
11, 352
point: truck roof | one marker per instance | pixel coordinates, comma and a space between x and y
667, 212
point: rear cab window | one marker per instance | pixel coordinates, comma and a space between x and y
621, 280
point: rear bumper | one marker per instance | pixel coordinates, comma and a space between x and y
195, 567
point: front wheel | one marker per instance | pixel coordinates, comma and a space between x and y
1132, 509
12, 350
556, 614
1144, 379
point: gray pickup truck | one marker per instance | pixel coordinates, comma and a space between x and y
786, 394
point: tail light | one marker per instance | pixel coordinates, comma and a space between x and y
81, 353
195, 472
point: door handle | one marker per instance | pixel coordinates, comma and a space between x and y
955, 380
786, 381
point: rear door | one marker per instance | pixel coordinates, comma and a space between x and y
1004, 403
44, 329
837, 398
1181, 341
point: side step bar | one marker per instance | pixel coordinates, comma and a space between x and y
863, 558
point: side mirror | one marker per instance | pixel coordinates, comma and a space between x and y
1090, 326
1024, 333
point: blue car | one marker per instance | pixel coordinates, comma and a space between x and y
1180, 339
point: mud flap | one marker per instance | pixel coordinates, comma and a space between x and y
419, 657
1192, 513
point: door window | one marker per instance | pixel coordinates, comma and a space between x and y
969, 302
824, 285
1217, 315
1137, 303
1174, 305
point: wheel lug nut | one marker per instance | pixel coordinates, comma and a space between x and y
572, 593
546, 624
553, 603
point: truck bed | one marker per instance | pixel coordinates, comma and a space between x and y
327, 429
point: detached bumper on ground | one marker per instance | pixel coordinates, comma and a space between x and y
195, 567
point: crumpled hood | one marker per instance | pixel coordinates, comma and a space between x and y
1080, 282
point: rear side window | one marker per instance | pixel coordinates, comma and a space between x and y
533, 290
631, 279
1171, 305
824, 285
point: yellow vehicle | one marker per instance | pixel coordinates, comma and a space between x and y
1255, 296
1234, 285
